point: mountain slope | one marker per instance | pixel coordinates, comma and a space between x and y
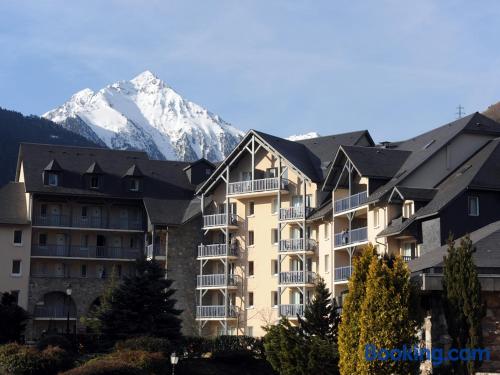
145, 114
16, 128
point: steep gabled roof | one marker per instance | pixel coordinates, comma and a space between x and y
94, 168
133, 171
376, 162
412, 194
13, 204
486, 256
53, 166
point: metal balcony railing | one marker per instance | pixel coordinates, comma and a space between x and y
407, 258
216, 280
218, 220
297, 277
351, 237
215, 311
86, 222
254, 186
71, 274
292, 310
155, 250
54, 312
294, 213
351, 202
84, 252
297, 244
216, 250
342, 273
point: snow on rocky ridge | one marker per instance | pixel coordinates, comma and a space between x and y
145, 114
300, 137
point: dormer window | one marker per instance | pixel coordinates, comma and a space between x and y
134, 184
407, 209
53, 179
93, 179
94, 182
133, 178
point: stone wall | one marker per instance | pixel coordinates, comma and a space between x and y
182, 268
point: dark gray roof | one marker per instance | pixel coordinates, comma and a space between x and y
397, 226
53, 166
324, 211
94, 169
13, 204
166, 190
426, 145
487, 254
414, 194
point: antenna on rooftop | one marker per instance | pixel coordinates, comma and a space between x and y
460, 111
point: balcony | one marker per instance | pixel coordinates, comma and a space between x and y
220, 220
257, 187
297, 277
53, 312
351, 202
215, 312
407, 258
351, 237
98, 252
297, 245
342, 273
68, 221
292, 311
216, 281
155, 250
71, 274
217, 250
294, 213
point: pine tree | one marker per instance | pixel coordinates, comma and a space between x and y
386, 320
349, 328
142, 306
463, 310
321, 316
13, 319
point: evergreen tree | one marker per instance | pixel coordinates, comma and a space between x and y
349, 328
321, 316
142, 306
386, 320
463, 305
13, 319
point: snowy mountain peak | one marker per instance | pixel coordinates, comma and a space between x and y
144, 113
299, 137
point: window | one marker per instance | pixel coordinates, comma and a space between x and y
251, 208
473, 206
15, 295
42, 239
43, 210
16, 268
274, 299
274, 267
250, 268
274, 236
83, 270
134, 184
327, 263
53, 179
409, 250
18, 237
407, 210
94, 182
250, 299
249, 331
251, 238
246, 176
84, 212
274, 206
327, 231
376, 215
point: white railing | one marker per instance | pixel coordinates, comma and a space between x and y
253, 186
297, 277
218, 279
291, 310
407, 258
342, 273
351, 202
351, 237
294, 213
216, 250
215, 311
297, 244
218, 220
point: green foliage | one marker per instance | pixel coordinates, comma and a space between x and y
141, 306
146, 343
385, 317
18, 359
13, 319
349, 328
463, 305
224, 347
105, 367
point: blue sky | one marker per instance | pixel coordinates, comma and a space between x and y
395, 67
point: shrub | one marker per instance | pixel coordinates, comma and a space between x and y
150, 363
55, 340
146, 343
54, 359
105, 367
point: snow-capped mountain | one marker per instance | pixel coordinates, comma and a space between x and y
145, 114
300, 137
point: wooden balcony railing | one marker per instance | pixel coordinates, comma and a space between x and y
216, 250
86, 222
254, 186
219, 220
351, 202
297, 244
291, 310
84, 252
216, 280
294, 213
342, 273
215, 311
297, 277
351, 237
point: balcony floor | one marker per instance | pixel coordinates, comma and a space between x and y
257, 194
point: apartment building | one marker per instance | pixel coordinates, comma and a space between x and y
87, 213
263, 213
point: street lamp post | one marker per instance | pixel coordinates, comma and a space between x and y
68, 304
173, 360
